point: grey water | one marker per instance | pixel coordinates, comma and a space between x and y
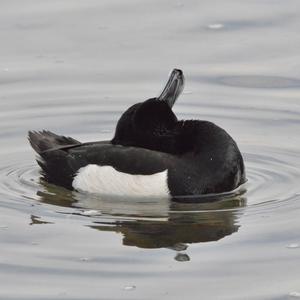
73, 67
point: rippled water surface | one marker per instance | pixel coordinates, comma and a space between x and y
73, 67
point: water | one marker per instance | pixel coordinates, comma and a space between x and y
73, 68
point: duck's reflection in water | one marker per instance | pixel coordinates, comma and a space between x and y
157, 223
182, 226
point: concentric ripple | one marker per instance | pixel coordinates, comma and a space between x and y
19, 180
272, 178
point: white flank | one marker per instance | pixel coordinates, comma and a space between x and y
109, 181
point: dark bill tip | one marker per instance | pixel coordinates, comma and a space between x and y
173, 88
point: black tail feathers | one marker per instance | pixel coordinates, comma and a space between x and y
53, 153
42, 141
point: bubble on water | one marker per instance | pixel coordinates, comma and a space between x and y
294, 294
293, 246
85, 259
215, 26
130, 288
182, 257
90, 212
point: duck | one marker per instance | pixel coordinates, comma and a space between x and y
152, 153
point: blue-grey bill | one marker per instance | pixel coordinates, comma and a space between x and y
173, 88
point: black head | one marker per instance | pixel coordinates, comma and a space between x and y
151, 124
